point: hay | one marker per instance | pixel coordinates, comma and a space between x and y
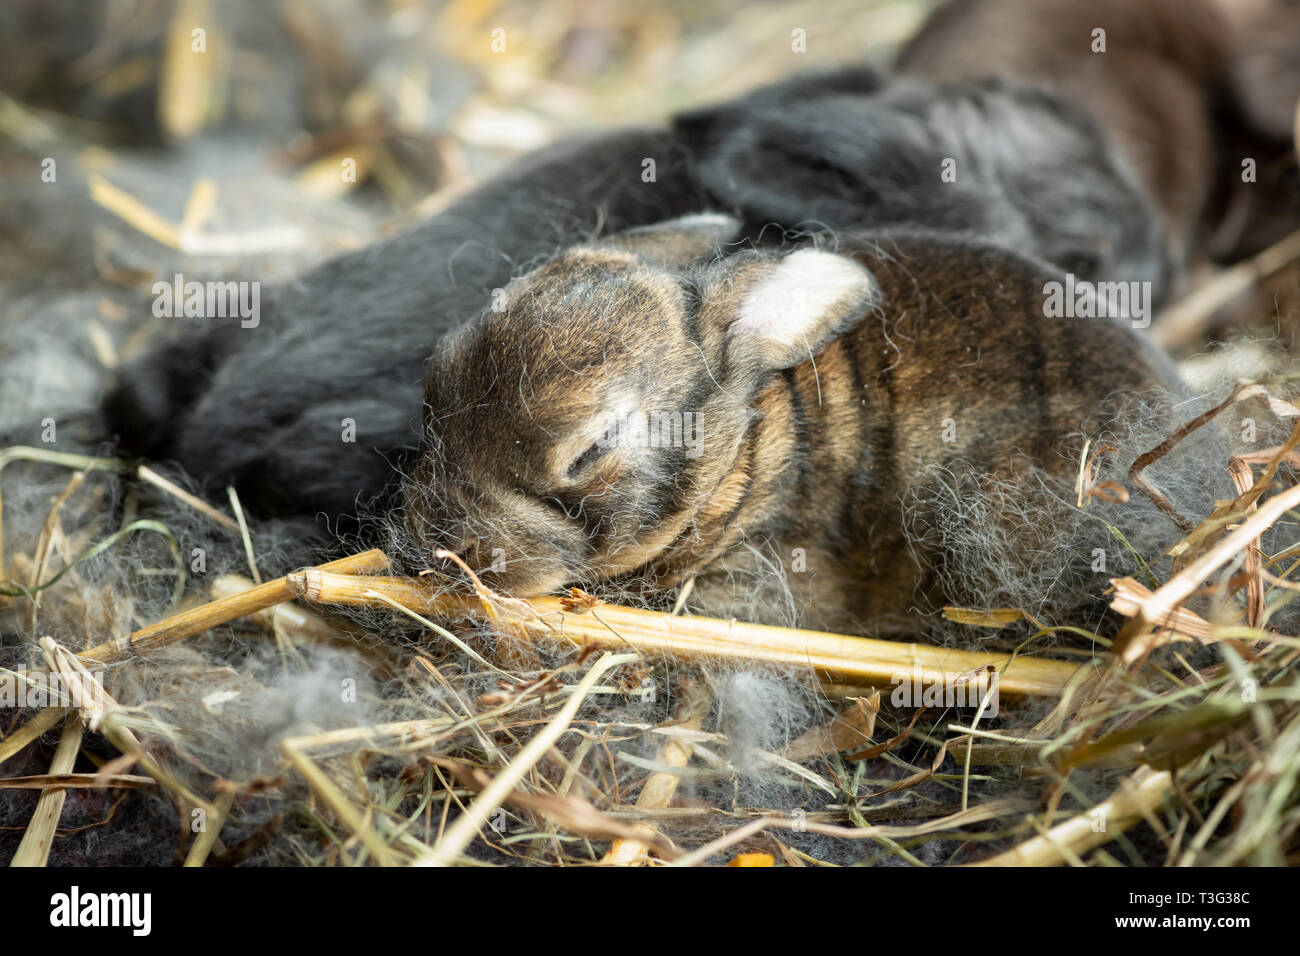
540, 765
257, 724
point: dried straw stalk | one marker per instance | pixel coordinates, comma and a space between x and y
659, 788
180, 626
34, 849
1154, 614
1185, 321
195, 621
1138, 796
854, 661
461, 833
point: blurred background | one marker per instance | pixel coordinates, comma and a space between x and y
226, 139
419, 91
229, 140
140, 138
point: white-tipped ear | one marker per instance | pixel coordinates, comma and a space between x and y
799, 306
677, 242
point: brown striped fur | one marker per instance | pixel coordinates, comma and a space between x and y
812, 446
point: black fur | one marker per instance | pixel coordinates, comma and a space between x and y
1033, 172
263, 408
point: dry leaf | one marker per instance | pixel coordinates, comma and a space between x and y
850, 729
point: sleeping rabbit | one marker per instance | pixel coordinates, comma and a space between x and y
648, 410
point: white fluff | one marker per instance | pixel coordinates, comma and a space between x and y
793, 303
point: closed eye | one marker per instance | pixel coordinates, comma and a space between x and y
583, 461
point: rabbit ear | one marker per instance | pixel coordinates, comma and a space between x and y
678, 242
796, 307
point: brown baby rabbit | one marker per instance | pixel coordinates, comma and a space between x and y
1188, 89
643, 410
